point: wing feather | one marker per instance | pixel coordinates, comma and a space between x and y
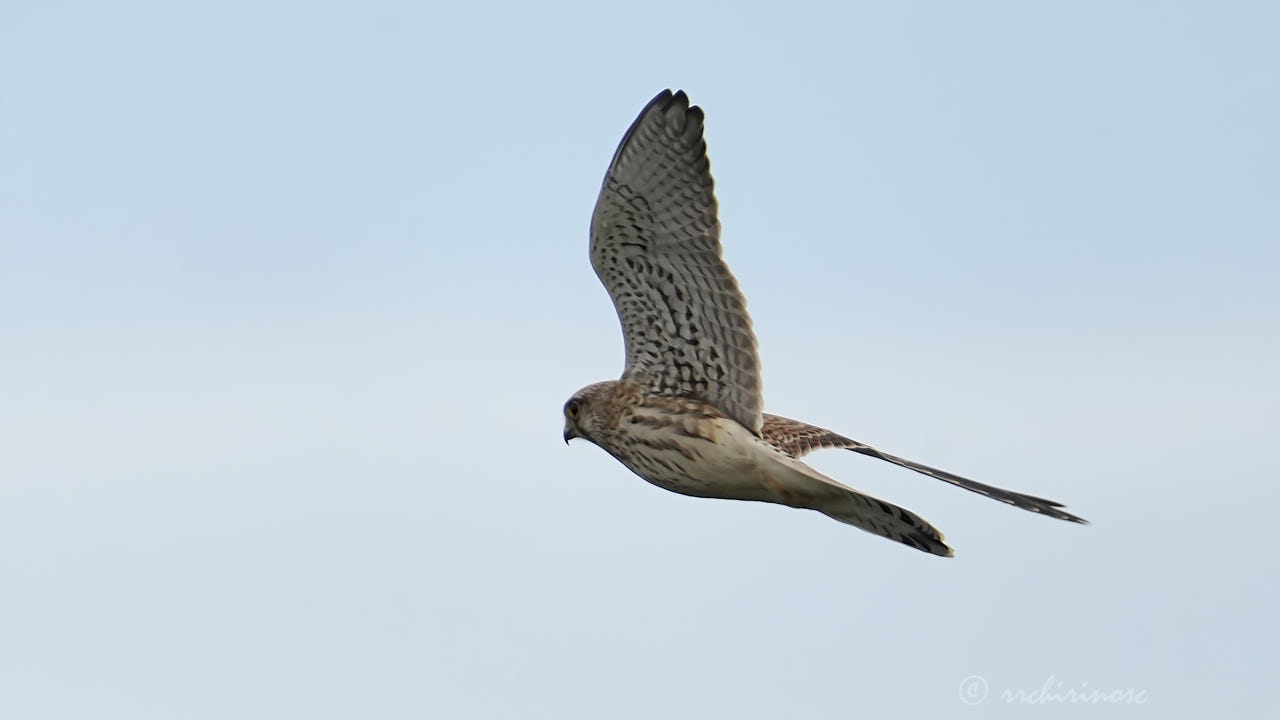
655, 245
797, 439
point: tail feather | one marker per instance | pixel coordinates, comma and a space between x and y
788, 481
886, 520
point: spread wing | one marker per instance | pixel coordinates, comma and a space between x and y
796, 439
655, 244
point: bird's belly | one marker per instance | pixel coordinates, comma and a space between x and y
721, 459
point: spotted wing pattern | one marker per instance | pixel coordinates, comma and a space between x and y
797, 439
655, 244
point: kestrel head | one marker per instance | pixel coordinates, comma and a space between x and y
582, 413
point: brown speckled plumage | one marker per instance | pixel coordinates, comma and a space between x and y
687, 413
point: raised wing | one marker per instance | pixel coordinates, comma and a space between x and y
655, 244
796, 439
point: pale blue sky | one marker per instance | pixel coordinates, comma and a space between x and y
291, 296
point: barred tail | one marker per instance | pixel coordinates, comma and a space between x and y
886, 520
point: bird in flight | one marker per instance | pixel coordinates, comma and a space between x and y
686, 414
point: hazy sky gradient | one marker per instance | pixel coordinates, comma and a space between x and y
291, 297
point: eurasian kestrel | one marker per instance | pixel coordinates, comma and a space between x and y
686, 414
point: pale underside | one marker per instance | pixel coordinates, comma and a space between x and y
687, 412
678, 446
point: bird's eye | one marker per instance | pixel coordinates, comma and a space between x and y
571, 409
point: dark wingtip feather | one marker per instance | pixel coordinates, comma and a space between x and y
1031, 503
687, 115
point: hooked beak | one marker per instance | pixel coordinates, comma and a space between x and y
569, 434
